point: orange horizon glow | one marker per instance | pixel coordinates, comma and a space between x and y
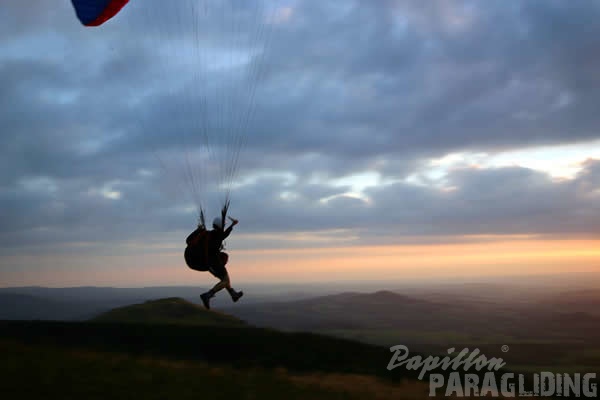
492, 258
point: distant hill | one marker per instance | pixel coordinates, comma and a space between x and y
17, 306
83, 303
379, 298
349, 310
63, 304
576, 301
384, 317
171, 310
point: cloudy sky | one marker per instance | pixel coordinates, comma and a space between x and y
358, 139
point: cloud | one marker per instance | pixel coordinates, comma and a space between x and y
103, 130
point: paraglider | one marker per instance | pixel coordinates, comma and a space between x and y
211, 56
204, 252
97, 12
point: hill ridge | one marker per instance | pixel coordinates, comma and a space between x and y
172, 310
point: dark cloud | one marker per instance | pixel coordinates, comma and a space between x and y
102, 130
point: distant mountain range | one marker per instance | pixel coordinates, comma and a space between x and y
378, 317
80, 303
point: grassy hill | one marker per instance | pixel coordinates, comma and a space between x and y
169, 311
170, 348
34, 371
177, 329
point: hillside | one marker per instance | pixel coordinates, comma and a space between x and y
170, 311
167, 347
35, 371
177, 330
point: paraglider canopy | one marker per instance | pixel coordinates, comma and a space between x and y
97, 12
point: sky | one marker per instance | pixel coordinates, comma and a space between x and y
356, 139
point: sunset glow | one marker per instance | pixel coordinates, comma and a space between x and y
428, 262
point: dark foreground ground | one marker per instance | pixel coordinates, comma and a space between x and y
89, 360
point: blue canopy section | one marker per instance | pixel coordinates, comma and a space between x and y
96, 12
